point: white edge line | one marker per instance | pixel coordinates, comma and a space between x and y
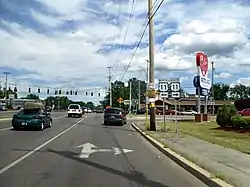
5, 129
38, 148
8, 128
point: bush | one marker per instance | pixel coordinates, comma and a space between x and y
225, 114
238, 122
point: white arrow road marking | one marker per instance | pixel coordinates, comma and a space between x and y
88, 149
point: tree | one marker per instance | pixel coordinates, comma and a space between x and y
90, 105
221, 91
32, 96
240, 91
120, 90
2, 93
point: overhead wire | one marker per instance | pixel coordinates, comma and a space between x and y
141, 37
140, 33
126, 31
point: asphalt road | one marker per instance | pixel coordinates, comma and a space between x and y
52, 157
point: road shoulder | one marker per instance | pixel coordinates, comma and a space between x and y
205, 176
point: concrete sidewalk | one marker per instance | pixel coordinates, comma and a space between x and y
230, 165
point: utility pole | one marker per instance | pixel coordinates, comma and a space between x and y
151, 63
130, 97
213, 85
110, 86
6, 84
139, 94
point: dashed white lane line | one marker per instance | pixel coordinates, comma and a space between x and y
38, 148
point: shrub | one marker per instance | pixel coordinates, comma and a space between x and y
247, 125
224, 115
238, 122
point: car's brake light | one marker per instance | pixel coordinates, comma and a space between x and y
122, 116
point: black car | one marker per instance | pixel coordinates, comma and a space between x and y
115, 116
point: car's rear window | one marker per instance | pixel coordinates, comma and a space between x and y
29, 111
113, 111
73, 107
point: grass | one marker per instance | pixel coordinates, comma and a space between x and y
210, 132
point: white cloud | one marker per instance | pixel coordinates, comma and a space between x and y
219, 28
224, 75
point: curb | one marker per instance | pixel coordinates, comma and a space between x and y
203, 175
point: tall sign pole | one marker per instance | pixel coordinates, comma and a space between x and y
151, 65
130, 97
213, 86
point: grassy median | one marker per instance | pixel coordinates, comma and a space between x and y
210, 131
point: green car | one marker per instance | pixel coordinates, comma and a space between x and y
36, 118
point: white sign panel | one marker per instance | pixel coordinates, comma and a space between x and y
175, 94
164, 94
205, 82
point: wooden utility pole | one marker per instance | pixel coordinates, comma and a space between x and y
110, 86
151, 64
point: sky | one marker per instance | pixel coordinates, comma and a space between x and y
69, 44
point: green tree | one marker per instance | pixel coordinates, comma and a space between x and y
120, 90
221, 91
9, 91
240, 92
32, 96
90, 105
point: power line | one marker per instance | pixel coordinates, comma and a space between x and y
138, 44
141, 31
126, 31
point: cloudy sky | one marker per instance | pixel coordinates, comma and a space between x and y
69, 44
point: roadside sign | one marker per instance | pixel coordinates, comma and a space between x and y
126, 102
120, 100
11, 96
169, 88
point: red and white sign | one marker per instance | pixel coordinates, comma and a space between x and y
202, 64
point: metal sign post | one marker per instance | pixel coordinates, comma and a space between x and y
176, 124
164, 116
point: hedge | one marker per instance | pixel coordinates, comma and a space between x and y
239, 122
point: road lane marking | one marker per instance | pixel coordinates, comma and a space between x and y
5, 129
38, 148
88, 149
8, 128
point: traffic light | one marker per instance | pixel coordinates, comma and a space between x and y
75, 92
15, 89
47, 91
86, 93
29, 90
38, 90
71, 92
92, 94
99, 94
55, 92
60, 92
